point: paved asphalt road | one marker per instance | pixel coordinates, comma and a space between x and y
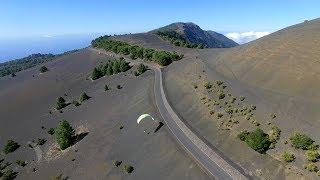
213, 163
205, 156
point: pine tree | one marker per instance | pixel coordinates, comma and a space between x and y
64, 134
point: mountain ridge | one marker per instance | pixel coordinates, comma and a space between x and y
192, 33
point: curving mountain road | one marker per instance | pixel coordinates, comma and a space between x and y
212, 162
205, 156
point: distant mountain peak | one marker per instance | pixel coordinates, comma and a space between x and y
192, 33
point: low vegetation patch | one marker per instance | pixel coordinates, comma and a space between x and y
75, 103
288, 157
9, 174
312, 167
312, 155
111, 67
117, 163
127, 168
178, 40
84, 97
119, 87
61, 103
51, 131
257, 140
106, 87
301, 141
10, 147
21, 163
208, 85
43, 69
141, 69
274, 135
163, 58
41, 141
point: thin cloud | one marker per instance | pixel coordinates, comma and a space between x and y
244, 37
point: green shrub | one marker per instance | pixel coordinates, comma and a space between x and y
301, 141
10, 147
117, 163
288, 157
75, 103
242, 98
207, 85
21, 163
221, 95
142, 68
61, 103
64, 134
219, 115
313, 147
43, 69
242, 135
84, 97
41, 141
318, 173
119, 87
96, 74
257, 140
219, 83
128, 169
9, 174
13, 75
51, 131
106, 88
312, 167
312, 155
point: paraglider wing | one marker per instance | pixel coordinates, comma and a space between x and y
142, 117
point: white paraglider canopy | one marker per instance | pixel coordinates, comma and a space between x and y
143, 116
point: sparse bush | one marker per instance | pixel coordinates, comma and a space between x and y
274, 134
257, 140
312, 155
142, 68
121, 127
313, 147
13, 75
119, 87
106, 88
84, 97
9, 174
76, 103
43, 69
10, 147
21, 163
219, 115
64, 134
51, 131
41, 141
117, 163
219, 82
242, 98
273, 116
312, 167
128, 168
242, 135
301, 141
207, 85
136, 73
61, 103
195, 86
96, 74
288, 157
221, 95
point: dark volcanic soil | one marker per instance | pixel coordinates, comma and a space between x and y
26, 102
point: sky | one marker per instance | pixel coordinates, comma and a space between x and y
240, 20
